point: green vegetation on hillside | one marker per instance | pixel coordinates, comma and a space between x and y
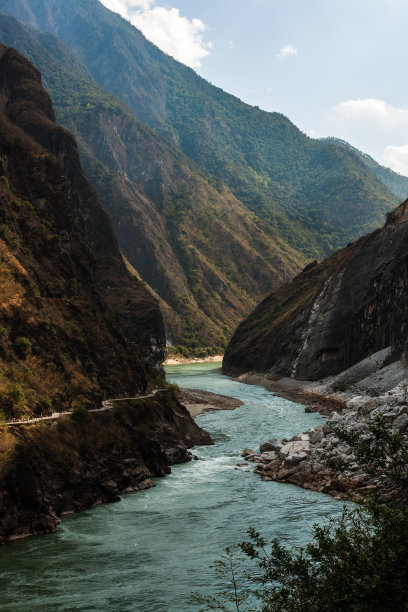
396, 183
318, 196
202, 252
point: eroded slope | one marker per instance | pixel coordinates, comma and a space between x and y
333, 314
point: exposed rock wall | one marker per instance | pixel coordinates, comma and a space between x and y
333, 314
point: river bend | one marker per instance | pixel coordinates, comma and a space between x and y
148, 552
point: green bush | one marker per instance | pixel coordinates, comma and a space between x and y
23, 347
80, 415
15, 393
356, 563
29, 207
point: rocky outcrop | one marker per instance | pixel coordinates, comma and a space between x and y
198, 401
75, 327
333, 314
51, 469
318, 459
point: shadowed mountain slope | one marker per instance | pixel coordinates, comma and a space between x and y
206, 256
333, 314
75, 326
317, 195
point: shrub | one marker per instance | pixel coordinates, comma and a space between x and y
80, 415
28, 207
23, 347
359, 562
15, 393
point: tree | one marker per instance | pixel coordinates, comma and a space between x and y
356, 563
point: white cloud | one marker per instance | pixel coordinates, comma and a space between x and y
377, 113
174, 34
287, 50
397, 158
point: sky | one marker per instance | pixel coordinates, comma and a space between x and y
334, 67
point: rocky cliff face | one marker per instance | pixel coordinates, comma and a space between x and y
333, 314
75, 327
66, 290
69, 465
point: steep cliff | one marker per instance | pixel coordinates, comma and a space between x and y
187, 236
333, 314
66, 289
71, 464
75, 327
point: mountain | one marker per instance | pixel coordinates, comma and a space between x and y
206, 256
333, 314
396, 183
61, 291
75, 327
316, 195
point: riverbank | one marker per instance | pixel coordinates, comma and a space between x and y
316, 459
78, 461
299, 391
179, 360
198, 401
191, 516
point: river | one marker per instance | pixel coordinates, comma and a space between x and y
148, 552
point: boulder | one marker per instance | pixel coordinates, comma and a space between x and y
315, 437
401, 423
269, 445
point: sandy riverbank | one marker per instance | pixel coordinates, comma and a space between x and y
184, 360
197, 401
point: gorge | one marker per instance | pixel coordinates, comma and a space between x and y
142, 211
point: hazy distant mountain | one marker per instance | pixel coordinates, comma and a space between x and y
317, 195
396, 183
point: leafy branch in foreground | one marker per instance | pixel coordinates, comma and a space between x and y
381, 452
229, 571
356, 563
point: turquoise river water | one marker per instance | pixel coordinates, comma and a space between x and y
148, 552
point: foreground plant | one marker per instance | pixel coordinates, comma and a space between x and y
356, 563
